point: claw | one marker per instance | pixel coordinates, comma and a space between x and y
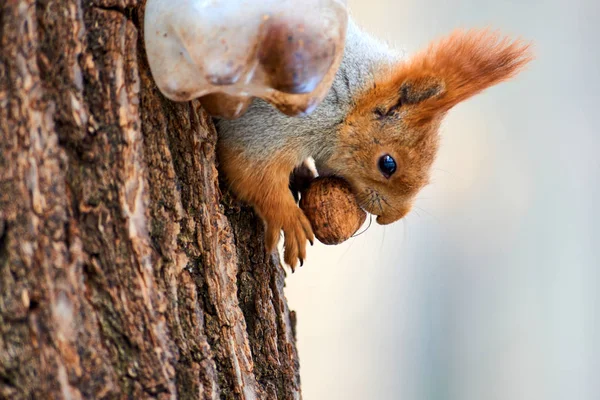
301, 262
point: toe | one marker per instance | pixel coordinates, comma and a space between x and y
308, 232
302, 251
272, 237
301, 243
290, 253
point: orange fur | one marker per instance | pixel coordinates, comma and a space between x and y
265, 185
398, 116
466, 63
401, 113
470, 62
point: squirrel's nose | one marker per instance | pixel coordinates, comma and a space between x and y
388, 218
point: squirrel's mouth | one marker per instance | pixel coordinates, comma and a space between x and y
388, 218
370, 201
375, 204
384, 220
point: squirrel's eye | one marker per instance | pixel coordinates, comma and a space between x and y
387, 165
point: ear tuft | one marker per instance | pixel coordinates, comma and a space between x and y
468, 62
417, 90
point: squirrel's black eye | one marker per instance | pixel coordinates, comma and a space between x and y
387, 165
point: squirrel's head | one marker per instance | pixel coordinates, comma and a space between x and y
389, 140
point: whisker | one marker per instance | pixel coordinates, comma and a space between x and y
422, 209
429, 214
389, 205
347, 249
382, 240
366, 229
445, 171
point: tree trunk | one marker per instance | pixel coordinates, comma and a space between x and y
124, 272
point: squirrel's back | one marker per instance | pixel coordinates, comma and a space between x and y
263, 129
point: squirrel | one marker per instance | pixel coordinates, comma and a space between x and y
377, 128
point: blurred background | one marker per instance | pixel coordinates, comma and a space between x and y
490, 288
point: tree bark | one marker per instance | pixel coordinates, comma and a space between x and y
124, 272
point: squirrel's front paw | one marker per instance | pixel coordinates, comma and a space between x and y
297, 230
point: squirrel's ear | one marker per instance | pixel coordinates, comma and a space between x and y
414, 91
463, 64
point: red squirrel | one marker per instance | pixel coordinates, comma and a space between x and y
377, 128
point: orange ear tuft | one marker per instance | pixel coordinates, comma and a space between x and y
467, 62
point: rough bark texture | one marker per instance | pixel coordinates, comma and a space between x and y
124, 273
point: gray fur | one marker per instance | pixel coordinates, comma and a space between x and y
263, 129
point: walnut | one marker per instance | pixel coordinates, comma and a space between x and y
332, 210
